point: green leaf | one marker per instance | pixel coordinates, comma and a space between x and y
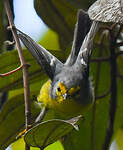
49, 131
81, 4
16, 79
20, 145
119, 139
50, 40
12, 119
60, 16
14, 108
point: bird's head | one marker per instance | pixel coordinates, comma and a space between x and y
65, 85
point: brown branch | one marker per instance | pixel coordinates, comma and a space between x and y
25, 72
104, 95
113, 98
120, 76
101, 59
118, 33
94, 105
104, 27
11, 72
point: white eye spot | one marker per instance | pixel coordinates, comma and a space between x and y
52, 61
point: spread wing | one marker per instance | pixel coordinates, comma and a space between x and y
50, 63
82, 27
86, 48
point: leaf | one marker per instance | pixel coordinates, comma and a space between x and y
48, 39
16, 79
20, 145
80, 4
49, 131
119, 139
106, 11
12, 119
10, 125
60, 16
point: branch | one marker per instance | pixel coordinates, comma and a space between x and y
94, 105
104, 95
23, 63
101, 59
11, 72
113, 98
118, 33
120, 76
119, 44
119, 53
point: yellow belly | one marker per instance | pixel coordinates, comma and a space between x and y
67, 108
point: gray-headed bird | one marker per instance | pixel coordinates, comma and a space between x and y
69, 90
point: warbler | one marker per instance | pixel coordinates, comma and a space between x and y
69, 90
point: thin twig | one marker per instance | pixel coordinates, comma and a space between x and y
104, 95
118, 33
113, 98
104, 27
101, 59
94, 105
119, 53
25, 72
11, 72
120, 76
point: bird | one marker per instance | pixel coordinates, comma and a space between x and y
69, 90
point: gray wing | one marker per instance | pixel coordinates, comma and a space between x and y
86, 48
82, 27
50, 63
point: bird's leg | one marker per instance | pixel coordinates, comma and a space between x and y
41, 115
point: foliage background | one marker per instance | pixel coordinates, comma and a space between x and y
60, 16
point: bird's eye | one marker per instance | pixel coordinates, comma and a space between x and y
59, 89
